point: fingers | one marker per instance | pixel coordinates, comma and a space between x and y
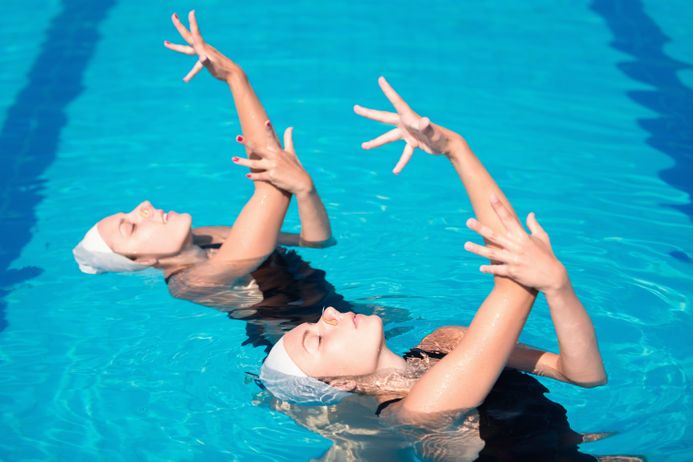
404, 159
187, 36
272, 138
262, 152
197, 42
258, 164
507, 219
388, 137
186, 50
492, 253
392, 95
490, 235
260, 176
288, 140
373, 114
193, 72
497, 270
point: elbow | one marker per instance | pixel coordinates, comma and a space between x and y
329, 242
596, 382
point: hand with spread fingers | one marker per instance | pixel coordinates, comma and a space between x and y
526, 258
276, 166
416, 131
216, 63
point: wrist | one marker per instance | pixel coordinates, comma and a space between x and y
305, 191
456, 148
236, 75
560, 286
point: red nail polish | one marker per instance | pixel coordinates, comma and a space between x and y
166, 42
235, 159
267, 123
175, 15
239, 138
247, 175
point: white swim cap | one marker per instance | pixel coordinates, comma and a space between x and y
94, 256
282, 377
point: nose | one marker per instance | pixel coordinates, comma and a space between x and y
330, 316
145, 209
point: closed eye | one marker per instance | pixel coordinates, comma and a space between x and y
126, 228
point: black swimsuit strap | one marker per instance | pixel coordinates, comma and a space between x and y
384, 404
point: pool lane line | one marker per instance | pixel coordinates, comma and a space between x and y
671, 133
30, 135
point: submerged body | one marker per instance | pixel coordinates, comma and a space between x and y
516, 421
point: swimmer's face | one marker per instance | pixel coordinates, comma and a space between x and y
146, 232
338, 344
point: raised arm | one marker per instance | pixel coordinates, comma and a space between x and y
532, 262
255, 231
465, 376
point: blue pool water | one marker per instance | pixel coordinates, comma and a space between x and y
581, 110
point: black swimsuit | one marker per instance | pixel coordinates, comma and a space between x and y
517, 422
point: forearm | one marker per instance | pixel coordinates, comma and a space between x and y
256, 229
478, 183
315, 224
579, 358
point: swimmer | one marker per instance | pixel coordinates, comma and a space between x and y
454, 369
239, 268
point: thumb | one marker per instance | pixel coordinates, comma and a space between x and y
288, 140
425, 127
535, 227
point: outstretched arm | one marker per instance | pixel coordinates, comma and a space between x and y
255, 231
465, 376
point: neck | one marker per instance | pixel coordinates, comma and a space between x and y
189, 256
390, 360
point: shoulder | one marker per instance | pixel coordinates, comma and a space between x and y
443, 339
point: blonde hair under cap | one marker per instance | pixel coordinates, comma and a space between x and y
282, 377
94, 256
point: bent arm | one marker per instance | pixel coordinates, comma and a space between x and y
315, 224
523, 357
579, 359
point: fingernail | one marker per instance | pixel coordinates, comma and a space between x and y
166, 42
235, 159
494, 198
239, 138
247, 175
467, 245
175, 15
268, 123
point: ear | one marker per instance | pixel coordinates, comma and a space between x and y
342, 383
147, 261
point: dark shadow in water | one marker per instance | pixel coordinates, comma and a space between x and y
671, 132
31, 133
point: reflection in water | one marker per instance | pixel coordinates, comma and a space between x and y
30, 135
671, 132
